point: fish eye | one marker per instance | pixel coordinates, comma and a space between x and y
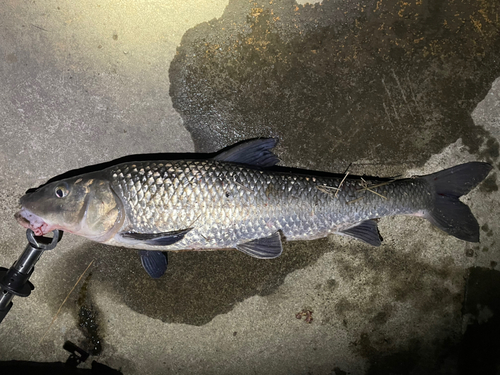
61, 191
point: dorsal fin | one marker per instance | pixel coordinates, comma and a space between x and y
255, 152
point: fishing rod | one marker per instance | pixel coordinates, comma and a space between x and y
15, 281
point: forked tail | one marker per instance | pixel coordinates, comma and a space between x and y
448, 213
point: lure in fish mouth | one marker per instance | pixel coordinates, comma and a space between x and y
236, 200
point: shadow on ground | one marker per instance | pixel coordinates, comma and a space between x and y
197, 285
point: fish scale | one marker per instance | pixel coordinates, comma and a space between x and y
227, 203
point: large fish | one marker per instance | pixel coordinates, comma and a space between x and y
239, 200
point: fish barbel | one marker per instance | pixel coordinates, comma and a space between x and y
236, 200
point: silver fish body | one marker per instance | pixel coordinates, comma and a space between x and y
227, 204
237, 200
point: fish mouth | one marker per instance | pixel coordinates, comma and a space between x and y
32, 221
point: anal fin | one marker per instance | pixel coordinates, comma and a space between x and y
366, 231
263, 248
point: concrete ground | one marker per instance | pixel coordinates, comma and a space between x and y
384, 87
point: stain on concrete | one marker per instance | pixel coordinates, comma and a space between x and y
392, 282
431, 348
11, 58
387, 80
88, 319
197, 285
489, 184
339, 371
491, 150
486, 228
401, 362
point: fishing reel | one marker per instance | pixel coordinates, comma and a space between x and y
15, 281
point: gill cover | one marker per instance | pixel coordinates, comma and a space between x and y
103, 214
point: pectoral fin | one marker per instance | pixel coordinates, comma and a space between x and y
263, 248
156, 239
366, 231
154, 262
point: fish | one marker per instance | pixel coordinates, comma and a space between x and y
241, 199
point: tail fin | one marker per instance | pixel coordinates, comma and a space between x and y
448, 213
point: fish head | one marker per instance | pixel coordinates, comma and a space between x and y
86, 206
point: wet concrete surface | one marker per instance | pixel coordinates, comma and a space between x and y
385, 88
389, 81
197, 286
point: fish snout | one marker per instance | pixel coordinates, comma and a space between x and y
31, 221
22, 220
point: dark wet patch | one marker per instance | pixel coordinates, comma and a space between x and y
480, 345
381, 317
331, 285
485, 228
489, 185
491, 150
401, 362
88, 319
407, 277
197, 285
391, 279
339, 371
430, 348
387, 81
